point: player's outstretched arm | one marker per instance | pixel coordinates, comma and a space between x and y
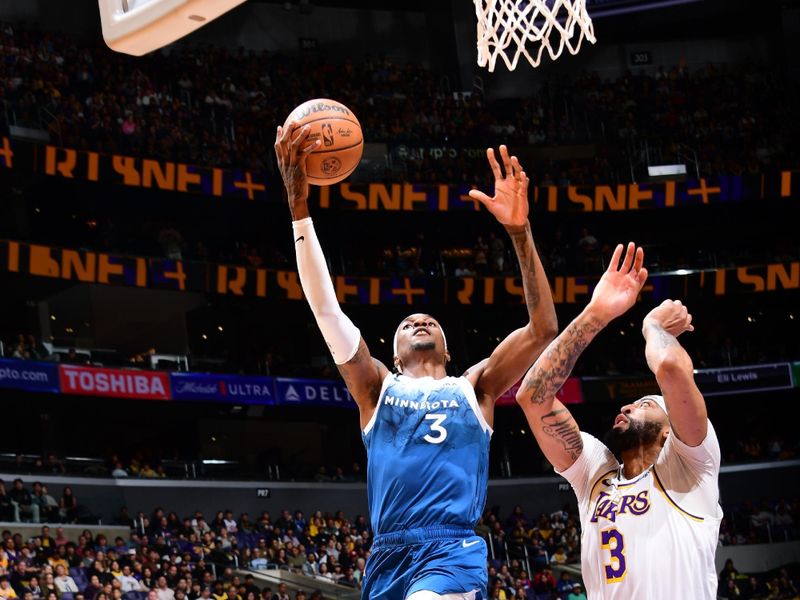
362, 374
674, 371
555, 429
515, 353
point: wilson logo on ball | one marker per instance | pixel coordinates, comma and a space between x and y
316, 107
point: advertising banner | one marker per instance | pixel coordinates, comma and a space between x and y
86, 266
235, 389
307, 392
570, 393
114, 383
738, 380
28, 375
244, 185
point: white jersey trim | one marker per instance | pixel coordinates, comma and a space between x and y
426, 595
469, 392
374, 417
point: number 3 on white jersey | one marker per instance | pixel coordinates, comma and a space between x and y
436, 427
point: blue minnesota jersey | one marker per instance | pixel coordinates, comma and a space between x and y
428, 455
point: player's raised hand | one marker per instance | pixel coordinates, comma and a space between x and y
291, 151
672, 316
619, 287
509, 204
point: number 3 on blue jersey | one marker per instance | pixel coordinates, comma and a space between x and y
436, 427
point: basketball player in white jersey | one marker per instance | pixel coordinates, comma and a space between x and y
426, 433
648, 498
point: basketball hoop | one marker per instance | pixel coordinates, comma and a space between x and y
141, 26
506, 27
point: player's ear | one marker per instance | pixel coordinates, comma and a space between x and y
398, 365
446, 357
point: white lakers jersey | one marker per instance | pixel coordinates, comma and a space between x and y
652, 537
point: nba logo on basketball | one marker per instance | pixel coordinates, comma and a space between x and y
327, 134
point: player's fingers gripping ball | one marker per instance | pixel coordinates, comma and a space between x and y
340, 136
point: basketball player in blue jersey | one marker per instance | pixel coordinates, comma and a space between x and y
426, 434
649, 497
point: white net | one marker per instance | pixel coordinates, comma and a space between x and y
511, 29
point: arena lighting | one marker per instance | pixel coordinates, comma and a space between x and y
140, 26
680, 272
666, 170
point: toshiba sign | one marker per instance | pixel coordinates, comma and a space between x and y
116, 383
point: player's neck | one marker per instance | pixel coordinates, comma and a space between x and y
637, 460
425, 368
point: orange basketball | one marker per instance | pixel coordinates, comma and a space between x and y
338, 129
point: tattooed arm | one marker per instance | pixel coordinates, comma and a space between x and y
674, 371
554, 427
512, 357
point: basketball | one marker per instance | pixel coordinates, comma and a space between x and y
337, 127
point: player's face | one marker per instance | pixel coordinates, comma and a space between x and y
643, 410
638, 424
419, 332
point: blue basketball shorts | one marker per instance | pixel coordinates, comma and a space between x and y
443, 560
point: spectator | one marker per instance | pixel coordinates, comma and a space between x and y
322, 475
577, 593
543, 584
73, 358
93, 589
34, 588
58, 557
729, 589
565, 583
6, 591
63, 582
148, 581
559, 556
7, 508
119, 470
162, 591
462, 270
497, 253
754, 588
68, 505
148, 472
229, 522
128, 582
49, 586
480, 256
282, 592
728, 571
47, 511
22, 500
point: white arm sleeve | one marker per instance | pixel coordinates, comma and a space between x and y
338, 330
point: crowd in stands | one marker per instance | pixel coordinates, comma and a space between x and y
168, 557
777, 584
195, 557
760, 522
37, 505
217, 106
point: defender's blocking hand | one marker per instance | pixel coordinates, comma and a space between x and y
619, 287
509, 204
672, 316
